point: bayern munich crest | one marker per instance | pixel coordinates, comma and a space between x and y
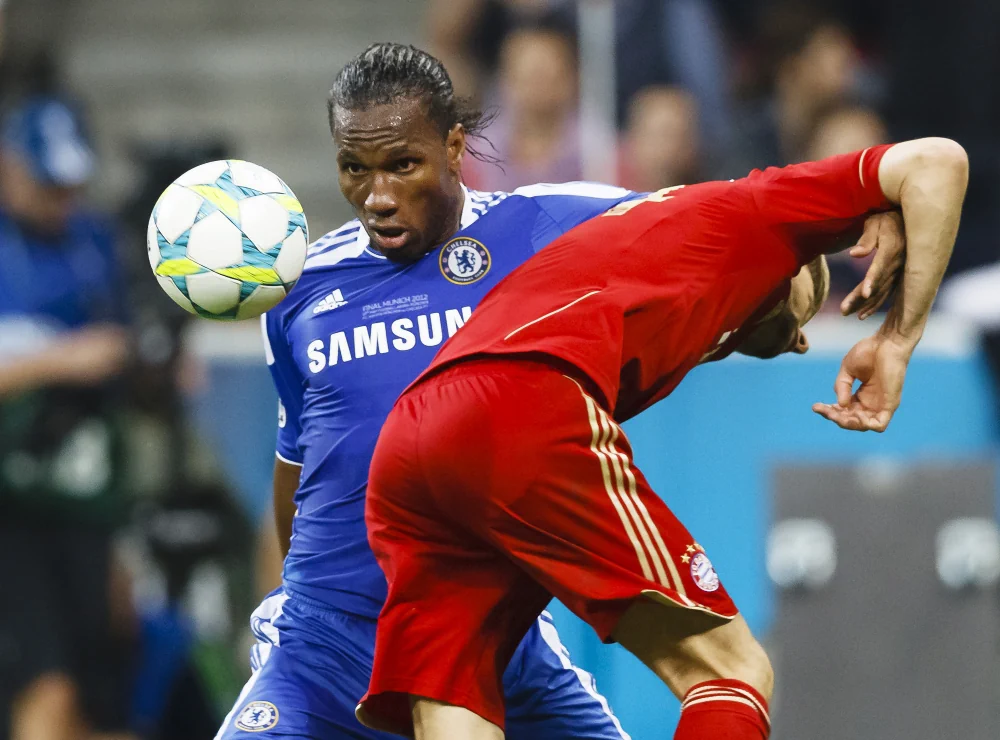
464, 260
703, 573
257, 716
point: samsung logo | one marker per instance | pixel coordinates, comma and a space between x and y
430, 330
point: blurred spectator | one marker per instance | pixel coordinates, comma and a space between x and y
62, 347
657, 42
661, 144
468, 35
676, 42
844, 127
536, 133
812, 64
840, 128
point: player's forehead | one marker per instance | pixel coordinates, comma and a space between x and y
385, 128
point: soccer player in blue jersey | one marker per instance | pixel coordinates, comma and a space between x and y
377, 299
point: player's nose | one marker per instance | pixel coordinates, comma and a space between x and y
381, 199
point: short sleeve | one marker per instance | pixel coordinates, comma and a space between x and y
563, 207
289, 385
814, 203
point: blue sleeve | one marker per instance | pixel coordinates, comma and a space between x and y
570, 204
289, 384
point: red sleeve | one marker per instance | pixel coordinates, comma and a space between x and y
814, 204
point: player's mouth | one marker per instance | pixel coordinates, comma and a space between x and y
388, 237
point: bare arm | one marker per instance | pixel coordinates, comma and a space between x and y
927, 178
286, 482
267, 558
85, 357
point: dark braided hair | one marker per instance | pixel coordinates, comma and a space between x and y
386, 72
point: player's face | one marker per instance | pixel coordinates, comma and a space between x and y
782, 332
400, 175
810, 289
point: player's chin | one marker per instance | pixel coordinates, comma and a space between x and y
408, 247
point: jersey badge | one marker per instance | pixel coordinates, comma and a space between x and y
703, 572
257, 716
333, 300
464, 260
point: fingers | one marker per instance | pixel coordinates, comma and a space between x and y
854, 418
878, 283
868, 241
888, 257
852, 302
873, 304
843, 386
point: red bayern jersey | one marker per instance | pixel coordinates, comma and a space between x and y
637, 297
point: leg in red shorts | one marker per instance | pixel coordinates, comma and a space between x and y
495, 486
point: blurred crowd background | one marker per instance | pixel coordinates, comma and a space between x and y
135, 442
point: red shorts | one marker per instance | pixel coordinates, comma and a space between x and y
495, 486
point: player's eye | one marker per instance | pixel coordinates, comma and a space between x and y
407, 164
352, 168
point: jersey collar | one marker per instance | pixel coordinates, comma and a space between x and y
469, 216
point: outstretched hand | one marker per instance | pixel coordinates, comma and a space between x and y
884, 234
879, 363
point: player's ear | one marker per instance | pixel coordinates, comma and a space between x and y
801, 345
455, 145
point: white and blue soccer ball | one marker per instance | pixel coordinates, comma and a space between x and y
227, 240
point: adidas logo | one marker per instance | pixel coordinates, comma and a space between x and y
333, 300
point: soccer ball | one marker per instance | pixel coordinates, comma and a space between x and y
227, 240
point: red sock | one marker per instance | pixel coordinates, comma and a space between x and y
724, 709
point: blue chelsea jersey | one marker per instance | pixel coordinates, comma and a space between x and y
356, 330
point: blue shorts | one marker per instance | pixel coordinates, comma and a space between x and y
311, 665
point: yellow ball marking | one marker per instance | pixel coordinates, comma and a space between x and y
289, 202
248, 273
178, 267
220, 199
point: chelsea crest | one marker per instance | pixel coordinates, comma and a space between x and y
257, 716
464, 260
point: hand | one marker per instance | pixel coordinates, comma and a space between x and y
885, 235
879, 362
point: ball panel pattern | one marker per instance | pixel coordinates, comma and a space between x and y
203, 174
263, 298
227, 240
263, 220
292, 257
250, 175
171, 289
215, 242
213, 292
176, 211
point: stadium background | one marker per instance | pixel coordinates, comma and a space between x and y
869, 563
